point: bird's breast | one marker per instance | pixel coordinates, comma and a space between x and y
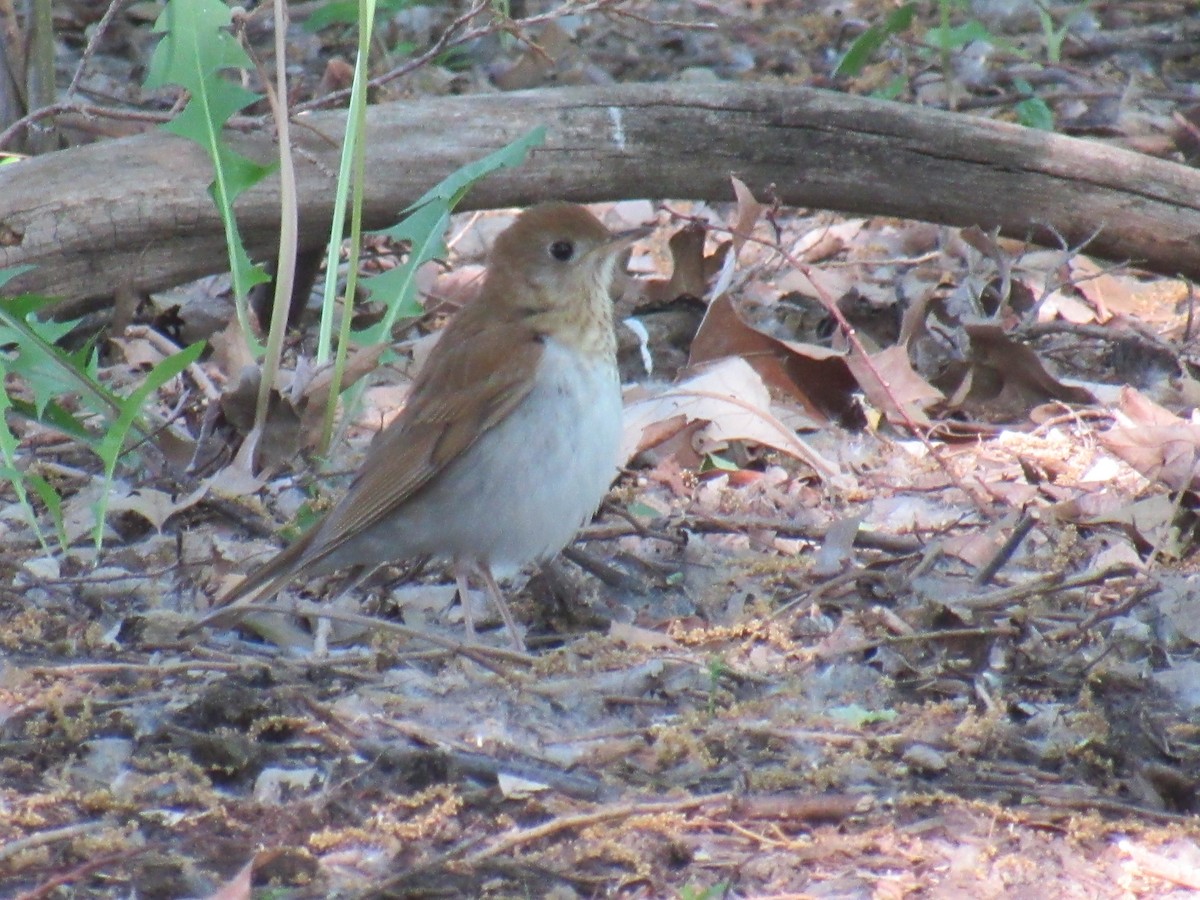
523, 489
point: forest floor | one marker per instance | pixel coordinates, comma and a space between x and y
821, 641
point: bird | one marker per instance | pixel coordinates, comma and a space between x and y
510, 436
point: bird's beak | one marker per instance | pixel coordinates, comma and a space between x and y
627, 237
620, 240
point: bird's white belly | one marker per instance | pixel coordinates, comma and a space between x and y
523, 490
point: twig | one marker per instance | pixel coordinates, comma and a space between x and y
480, 653
521, 837
447, 41
923, 637
51, 836
1024, 525
824, 588
168, 347
468, 760
1052, 583
444, 42
80, 871
1102, 615
158, 669
1052, 97
524, 836
888, 543
1076, 417
1191, 312
98, 33
1100, 332
663, 23
87, 110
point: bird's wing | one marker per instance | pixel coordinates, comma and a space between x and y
459, 395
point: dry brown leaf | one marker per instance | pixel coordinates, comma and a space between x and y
1151, 520
674, 438
749, 211
237, 887
688, 274
908, 395
644, 638
1155, 442
1103, 291
360, 362
229, 351
733, 399
833, 283
138, 352
1179, 603
539, 61
1061, 305
815, 377
233, 481
836, 552
691, 270
975, 548
826, 241
1007, 379
1142, 411
152, 505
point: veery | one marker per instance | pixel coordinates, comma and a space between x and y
509, 439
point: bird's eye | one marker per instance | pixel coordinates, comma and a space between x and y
562, 250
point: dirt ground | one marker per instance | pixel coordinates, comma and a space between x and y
825, 639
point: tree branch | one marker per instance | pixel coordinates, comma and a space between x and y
134, 212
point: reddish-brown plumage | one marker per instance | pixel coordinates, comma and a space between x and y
509, 438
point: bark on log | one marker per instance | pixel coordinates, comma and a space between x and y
134, 214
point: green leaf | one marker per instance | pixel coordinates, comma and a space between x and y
865, 45
303, 519
454, 59
959, 35
197, 43
893, 89
7, 275
53, 415
49, 496
196, 48
110, 446
455, 185
396, 288
715, 463
1035, 113
9, 444
423, 227
345, 12
642, 510
49, 371
17, 478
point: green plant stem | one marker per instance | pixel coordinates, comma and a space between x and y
288, 220
195, 51
350, 172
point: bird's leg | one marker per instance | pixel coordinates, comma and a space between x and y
498, 599
462, 581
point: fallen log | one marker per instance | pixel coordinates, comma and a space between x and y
133, 213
